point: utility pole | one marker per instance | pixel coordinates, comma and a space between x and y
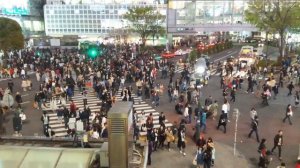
236, 114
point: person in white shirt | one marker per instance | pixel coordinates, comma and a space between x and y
253, 113
225, 108
186, 113
122, 81
23, 73
175, 94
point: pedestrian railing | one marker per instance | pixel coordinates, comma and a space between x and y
44, 140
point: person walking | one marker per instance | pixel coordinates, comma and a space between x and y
199, 158
18, 99
169, 137
150, 149
17, 124
207, 157
296, 98
226, 108
10, 85
253, 113
232, 94
290, 87
161, 136
278, 142
214, 109
254, 126
190, 112
181, 141
222, 121
203, 121
45, 120
186, 113
288, 114
210, 144
275, 90
161, 118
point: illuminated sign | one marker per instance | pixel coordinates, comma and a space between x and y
14, 7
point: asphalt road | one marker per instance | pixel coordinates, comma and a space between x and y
270, 120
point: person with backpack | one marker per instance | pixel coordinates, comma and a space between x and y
199, 158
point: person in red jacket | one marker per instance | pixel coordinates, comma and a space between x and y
73, 109
298, 163
11, 72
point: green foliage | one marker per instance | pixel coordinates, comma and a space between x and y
263, 63
193, 56
146, 21
274, 17
11, 37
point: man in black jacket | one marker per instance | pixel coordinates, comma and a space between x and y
222, 121
254, 125
10, 85
161, 118
278, 141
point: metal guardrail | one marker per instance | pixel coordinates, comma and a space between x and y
47, 139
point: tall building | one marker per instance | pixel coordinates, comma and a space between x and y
28, 13
191, 17
91, 17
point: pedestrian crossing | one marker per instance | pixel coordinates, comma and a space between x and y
140, 105
58, 126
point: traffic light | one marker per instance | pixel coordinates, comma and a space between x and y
38, 53
93, 51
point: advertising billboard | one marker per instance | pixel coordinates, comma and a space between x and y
14, 7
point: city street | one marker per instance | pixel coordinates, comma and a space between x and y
270, 121
212, 83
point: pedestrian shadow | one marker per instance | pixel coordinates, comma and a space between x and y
253, 161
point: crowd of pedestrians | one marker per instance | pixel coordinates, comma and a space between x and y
62, 72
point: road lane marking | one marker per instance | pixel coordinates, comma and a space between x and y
25, 102
226, 56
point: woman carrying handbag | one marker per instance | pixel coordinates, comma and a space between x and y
288, 114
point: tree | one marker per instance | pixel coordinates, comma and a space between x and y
276, 16
146, 21
11, 37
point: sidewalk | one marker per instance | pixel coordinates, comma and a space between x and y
173, 159
273, 52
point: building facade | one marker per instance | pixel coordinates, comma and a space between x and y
91, 17
190, 17
28, 13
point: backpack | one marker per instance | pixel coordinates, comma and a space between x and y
200, 157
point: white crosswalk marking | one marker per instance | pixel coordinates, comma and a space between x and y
58, 126
140, 106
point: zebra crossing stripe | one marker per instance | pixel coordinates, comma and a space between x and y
140, 106
59, 127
